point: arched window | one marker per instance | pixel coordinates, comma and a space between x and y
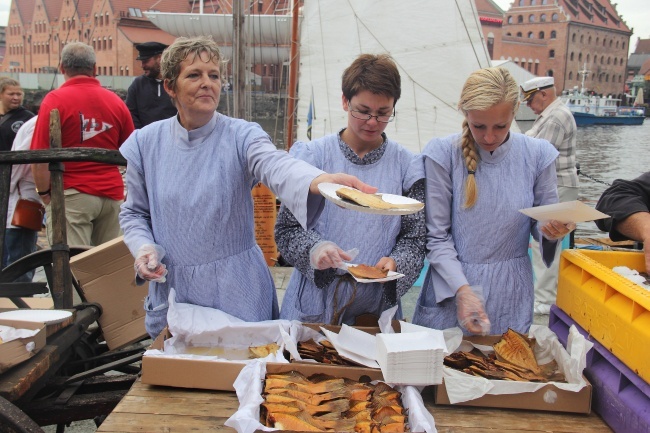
595, 59
110, 43
573, 37
602, 60
521, 2
582, 39
587, 57
553, 34
532, 2
508, 34
623, 46
530, 35
510, 19
554, 17
604, 42
589, 40
541, 35
607, 78
615, 61
551, 55
570, 75
616, 44
518, 34
542, 18
106, 20
531, 18
549, 73
520, 19
608, 60
571, 56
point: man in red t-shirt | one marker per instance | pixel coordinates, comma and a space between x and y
91, 116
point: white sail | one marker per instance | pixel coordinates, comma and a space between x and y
435, 43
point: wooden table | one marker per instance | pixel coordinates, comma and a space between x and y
174, 410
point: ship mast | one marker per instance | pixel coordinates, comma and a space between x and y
584, 72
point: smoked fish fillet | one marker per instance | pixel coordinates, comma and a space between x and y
516, 349
373, 201
367, 272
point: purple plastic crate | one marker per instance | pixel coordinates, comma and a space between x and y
620, 396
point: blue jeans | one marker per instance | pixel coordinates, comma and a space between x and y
18, 244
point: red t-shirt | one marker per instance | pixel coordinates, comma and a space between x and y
91, 116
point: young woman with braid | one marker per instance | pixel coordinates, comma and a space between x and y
477, 240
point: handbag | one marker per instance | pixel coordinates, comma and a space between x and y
28, 214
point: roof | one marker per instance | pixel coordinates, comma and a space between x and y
84, 7
642, 46
594, 12
645, 68
138, 35
53, 9
145, 5
489, 7
26, 10
637, 60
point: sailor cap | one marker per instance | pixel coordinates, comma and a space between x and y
533, 85
149, 49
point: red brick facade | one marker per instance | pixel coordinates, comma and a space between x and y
560, 38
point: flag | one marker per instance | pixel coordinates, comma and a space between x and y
311, 115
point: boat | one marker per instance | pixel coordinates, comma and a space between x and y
591, 109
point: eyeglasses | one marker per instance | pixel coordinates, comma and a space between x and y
381, 118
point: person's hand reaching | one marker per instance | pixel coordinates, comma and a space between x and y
326, 254
147, 263
470, 310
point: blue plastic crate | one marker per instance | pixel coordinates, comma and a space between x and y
620, 396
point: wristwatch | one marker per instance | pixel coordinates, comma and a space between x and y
44, 192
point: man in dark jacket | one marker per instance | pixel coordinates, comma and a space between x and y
12, 113
627, 202
146, 97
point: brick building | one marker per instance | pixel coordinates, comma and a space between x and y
560, 38
491, 17
37, 30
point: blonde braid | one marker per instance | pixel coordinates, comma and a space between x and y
471, 162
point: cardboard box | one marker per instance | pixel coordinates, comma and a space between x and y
547, 398
14, 352
218, 375
106, 276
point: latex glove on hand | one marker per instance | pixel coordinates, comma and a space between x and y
554, 230
341, 179
470, 310
325, 254
147, 263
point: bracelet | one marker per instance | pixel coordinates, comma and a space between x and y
44, 192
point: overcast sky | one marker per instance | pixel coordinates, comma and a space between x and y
636, 14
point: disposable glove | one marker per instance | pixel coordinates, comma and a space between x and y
470, 310
326, 254
147, 263
554, 230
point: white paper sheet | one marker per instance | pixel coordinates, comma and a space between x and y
565, 212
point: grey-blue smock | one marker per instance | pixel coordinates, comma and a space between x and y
487, 244
190, 192
312, 295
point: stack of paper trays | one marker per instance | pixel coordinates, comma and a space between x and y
413, 358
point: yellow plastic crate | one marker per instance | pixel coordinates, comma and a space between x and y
614, 310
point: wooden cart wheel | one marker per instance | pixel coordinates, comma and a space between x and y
32, 262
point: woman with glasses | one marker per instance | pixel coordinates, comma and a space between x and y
318, 291
477, 240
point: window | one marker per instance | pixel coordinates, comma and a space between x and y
573, 37
508, 34
595, 59
520, 19
542, 18
531, 18
607, 78
571, 57
587, 57
541, 35
551, 55
554, 17
532, 2
589, 40
530, 35
570, 75
510, 19
553, 34
608, 60
110, 44
582, 39
597, 41
521, 2
518, 34
615, 60
604, 42
549, 73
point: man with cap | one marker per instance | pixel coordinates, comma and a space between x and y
556, 124
146, 96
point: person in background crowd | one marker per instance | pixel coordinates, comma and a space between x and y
188, 217
317, 291
91, 116
12, 112
146, 96
627, 202
477, 240
557, 125
20, 241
